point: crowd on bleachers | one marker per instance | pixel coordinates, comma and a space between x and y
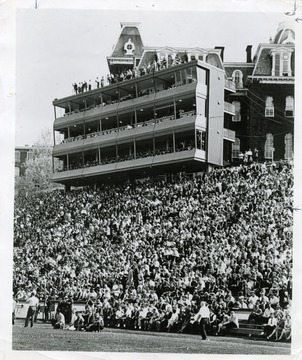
143, 255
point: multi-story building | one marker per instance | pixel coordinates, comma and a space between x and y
168, 117
171, 110
22, 154
264, 98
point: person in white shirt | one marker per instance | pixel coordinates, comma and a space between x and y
203, 318
59, 322
270, 326
33, 303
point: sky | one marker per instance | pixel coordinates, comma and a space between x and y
57, 47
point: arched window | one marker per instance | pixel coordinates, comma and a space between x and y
269, 147
288, 141
237, 116
237, 79
269, 107
289, 106
236, 148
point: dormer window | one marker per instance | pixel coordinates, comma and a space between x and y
237, 79
281, 62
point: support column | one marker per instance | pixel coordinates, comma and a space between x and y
173, 140
134, 149
153, 145
67, 161
273, 65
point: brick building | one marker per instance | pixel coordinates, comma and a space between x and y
264, 99
22, 154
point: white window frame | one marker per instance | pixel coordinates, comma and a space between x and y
269, 146
17, 155
236, 148
238, 84
237, 116
288, 142
284, 68
289, 106
269, 107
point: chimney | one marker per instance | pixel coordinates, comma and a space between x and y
221, 48
249, 54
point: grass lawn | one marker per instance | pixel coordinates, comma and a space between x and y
42, 337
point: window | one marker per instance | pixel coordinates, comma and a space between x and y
281, 62
236, 149
17, 155
237, 116
288, 141
285, 64
29, 155
237, 79
289, 106
269, 107
201, 139
269, 147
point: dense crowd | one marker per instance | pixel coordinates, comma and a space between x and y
152, 66
144, 255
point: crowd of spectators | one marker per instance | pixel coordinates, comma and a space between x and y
152, 66
145, 254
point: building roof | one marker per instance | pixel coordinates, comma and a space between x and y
130, 33
285, 34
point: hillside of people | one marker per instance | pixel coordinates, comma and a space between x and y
139, 251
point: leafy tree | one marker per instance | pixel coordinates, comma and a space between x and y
38, 167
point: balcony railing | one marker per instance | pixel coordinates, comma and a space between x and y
184, 146
273, 79
229, 134
229, 108
183, 114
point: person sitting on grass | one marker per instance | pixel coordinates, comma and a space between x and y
97, 323
79, 322
59, 321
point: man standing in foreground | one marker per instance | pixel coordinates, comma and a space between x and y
33, 303
203, 318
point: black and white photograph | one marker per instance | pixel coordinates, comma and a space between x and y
151, 203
